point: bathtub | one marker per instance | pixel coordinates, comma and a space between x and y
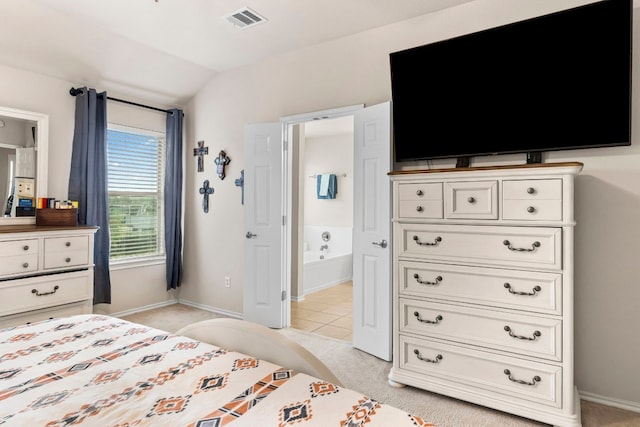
320, 273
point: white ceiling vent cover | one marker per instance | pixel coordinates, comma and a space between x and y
245, 18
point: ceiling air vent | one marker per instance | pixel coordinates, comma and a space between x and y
245, 18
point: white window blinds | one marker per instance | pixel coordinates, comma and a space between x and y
136, 167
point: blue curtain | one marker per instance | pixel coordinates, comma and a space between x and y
88, 181
173, 199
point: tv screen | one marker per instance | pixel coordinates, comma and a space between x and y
556, 82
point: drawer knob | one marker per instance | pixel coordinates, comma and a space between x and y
419, 208
426, 359
38, 294
536, 334
419, 193
531, 190
433, 322
67, 244
25, 265
534, 381
426, 282
534, 246
435, 241
67, 259
535, 290
25, 247
471, 200
531, 209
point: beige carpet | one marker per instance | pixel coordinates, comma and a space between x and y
360, 371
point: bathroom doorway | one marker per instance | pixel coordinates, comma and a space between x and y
322, 290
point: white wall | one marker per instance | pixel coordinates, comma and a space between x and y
355, 70
329, 154
131, 288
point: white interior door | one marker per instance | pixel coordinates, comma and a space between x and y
372, 231
263, 296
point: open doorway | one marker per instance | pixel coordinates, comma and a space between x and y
322, 288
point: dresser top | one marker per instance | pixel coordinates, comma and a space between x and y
576, 165
32, 228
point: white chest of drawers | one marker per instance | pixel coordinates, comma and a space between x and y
483, 287
45, 272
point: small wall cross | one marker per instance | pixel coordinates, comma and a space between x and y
205, 190
221, 161
200, 152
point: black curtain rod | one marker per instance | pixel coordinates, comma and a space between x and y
73, 92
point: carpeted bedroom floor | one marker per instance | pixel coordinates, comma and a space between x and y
360, 371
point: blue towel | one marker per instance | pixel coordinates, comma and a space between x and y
332, 188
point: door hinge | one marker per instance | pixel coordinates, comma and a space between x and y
284, 220
285, 145
284, 295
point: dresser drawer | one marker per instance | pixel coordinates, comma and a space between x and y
66, 251
532, 200
518, 333
420, 200
532, 189
520, 381
18, 257
85, 307
512, 289
45, 291
527, 247
471, 200
420, 191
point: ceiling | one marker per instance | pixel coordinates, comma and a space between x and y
171, 48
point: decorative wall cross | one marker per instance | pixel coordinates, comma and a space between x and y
240, 183
205, 190
221, 161
200, 152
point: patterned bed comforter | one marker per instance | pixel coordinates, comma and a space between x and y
102, 371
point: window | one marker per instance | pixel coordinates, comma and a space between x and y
136, 166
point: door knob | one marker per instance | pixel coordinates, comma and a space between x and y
250, 235
381, 243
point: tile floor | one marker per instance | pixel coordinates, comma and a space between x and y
327, 312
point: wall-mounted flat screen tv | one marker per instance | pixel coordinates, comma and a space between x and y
555, 82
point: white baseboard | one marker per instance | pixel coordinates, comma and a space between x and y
143, 308
616, 403
211, 309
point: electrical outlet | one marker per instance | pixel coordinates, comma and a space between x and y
227, 282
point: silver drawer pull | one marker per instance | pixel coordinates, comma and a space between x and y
419, 208
471, 200
531, 209
38, 294
435, 241
536, 334
534, 246
531, 190
426, 282
25, 247
424, 359
25, 265
67, 259
511, 291
534, 381
67, 244
433, 322
419, 193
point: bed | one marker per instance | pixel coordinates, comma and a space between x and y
96, 370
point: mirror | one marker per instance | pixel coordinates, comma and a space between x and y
24, 143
